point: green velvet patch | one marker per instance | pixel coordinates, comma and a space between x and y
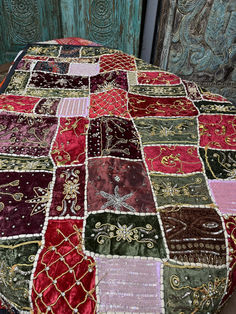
44, 92
167, 130
214, 107
18, 83
48, 50
219, 164
16, 263
193, 289
118, 234
25, 163
97, 51
151, 90
185, 189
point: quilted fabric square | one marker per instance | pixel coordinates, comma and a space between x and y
223, 193
185, 189
198, 240
52, 66
69, 145
124, 283
64, 271
18, 255
219, 164
172, 159
217, 131
18, 83
24, 198
193, 289
124, 235
117, 61
215, 107
158, 78
84, 69
113, 136
26, 135
18, 103
73, 107
68, 193
141, 106
47, 106
112, 102
106, 81
119, 185
167, 130
47, 50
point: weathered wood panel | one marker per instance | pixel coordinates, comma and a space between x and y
199, 42
114, 23
24, 21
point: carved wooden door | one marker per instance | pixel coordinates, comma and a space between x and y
197, 40
115, 23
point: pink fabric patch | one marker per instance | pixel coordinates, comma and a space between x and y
128, 285
84, 69
72, 107
224, 193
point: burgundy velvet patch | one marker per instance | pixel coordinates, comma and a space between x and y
26, 135
107, 81
119, 185
52, 80
23, 201
113, 136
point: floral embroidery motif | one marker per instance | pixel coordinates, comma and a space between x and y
174, 190
125, 233
71, 191
119, 234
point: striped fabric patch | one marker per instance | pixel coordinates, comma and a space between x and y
71, 107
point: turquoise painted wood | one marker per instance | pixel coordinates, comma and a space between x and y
114, 23
199, 43
24, 21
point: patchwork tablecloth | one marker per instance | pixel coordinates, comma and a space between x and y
117, 186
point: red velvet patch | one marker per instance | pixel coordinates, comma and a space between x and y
141, 106
230, 224
112, 102
214, 97
158, 78
68, 193
18, 103
117, 61
172, 159
218, 131
69, 146
64, 280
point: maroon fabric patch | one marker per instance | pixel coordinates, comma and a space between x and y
119, 185
52, 80
194, 235
26, 135
107, 81
23, 201
68, 194
47, 106
113, 136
